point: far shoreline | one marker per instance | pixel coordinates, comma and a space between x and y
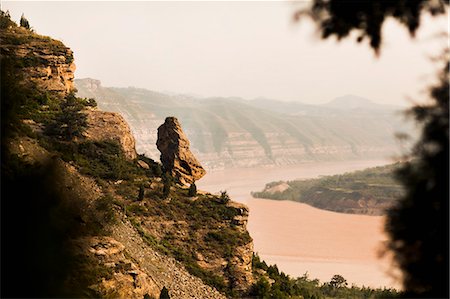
280, 220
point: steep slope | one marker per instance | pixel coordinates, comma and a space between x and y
82, 214
231, 132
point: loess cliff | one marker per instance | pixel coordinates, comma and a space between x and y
233, 132
96, 218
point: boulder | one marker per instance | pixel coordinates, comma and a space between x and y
176, 156
110, 126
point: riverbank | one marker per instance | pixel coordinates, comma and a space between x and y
299, 238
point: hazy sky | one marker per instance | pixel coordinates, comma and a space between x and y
246, 49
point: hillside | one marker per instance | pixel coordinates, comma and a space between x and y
232, 132
85, 216
371, 191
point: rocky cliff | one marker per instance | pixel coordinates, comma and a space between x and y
93, 221
46, 62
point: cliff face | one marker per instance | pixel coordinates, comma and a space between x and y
85, 231
46, 62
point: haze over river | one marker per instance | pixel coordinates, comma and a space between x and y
300, 238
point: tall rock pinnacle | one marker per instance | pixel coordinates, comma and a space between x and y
175, 154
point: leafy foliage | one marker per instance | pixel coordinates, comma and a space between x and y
340, 18
69, 122
283, 286
421, 248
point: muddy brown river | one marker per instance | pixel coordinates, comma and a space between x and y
300, 238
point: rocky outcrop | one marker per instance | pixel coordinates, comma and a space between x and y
47, 63
241, 262
100, 246
176, 156
110, 126
123, 277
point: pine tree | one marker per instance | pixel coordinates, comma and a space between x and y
69, 122
24, 22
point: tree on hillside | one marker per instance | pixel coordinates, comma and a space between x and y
192, 190
141, 193
338, 281
70, 121
418, 226
24, 22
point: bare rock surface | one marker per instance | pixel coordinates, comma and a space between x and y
47, 62
110, 126
176, 156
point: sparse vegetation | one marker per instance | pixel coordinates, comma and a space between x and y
192, 190
369, 191
203, 226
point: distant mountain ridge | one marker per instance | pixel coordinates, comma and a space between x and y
233, 132
350, 102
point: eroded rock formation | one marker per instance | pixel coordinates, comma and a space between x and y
176, 156
46, 62
110, 126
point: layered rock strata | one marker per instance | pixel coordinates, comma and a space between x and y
47, 63
176, 156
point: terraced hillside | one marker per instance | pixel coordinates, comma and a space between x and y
370, 191
232, 132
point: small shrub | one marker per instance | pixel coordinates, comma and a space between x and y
192, 190
164, 293
141, 193
224, 197
167, 182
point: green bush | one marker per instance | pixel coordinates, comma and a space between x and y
192, 190
69, 121
303, 287
24, 22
